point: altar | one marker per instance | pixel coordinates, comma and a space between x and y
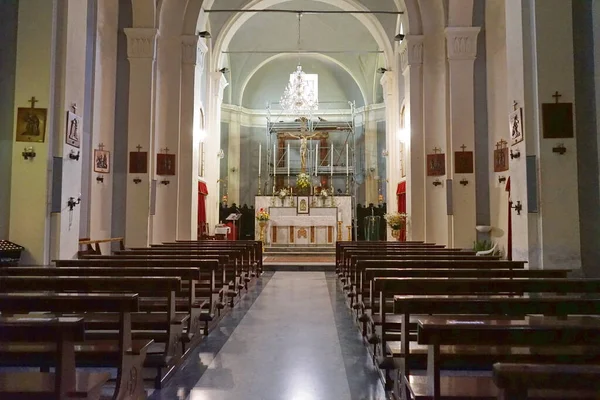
306, 220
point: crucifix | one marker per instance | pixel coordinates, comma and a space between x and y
165, 150
436, 150
303, 142
101, 146
33, 100
556, 96
463, 147
139, 147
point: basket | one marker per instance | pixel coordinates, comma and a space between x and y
10, 253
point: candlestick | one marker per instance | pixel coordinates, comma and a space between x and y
331, 160
317, 160
259, 157
288, 160
347, 159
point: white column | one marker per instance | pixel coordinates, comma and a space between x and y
193, 52
105, 82
217, 85
371, 156
411, 61
389, 81
233, 157
462, 50
141, 51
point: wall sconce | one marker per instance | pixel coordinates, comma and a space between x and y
437, 182
515, 154
71, 203
518, 207
221, 154
233, 169
501, 179
165, 182
28, 153
136, 180
385, 153
560, 149
204, 34
464, 182
74, 156
100, 179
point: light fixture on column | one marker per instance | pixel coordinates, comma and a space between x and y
399, 37
298, 97
382, 70
221, 154
28, 153
204, 34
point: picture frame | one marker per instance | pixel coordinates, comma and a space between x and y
31, 125
515, 120
501, 160
303, 205
101, 161
463, 162
165, 164
138, 162
73, 130
436, 164
557, 120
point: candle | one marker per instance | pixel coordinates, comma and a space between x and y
259, 157
331, 159
317, 159
288, 159
347, 166
275, 159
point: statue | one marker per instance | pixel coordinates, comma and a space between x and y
303, 142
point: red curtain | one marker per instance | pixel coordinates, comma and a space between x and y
401, 193
202, 192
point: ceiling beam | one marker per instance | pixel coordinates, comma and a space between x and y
304, 12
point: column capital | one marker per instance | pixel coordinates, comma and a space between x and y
219, 84
411, 51
193, 50
141, 42
461, 42
387, 81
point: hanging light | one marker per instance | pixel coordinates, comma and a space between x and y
298, 97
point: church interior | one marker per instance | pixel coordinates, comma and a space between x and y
299, 199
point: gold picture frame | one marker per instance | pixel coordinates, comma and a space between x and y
31, 125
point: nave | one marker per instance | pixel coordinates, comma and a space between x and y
290, 337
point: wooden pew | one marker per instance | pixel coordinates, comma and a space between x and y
533, 331
517, 381
93, 246
167, 325
124, 353
65, 382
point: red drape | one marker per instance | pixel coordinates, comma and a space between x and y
401, 193
202, 192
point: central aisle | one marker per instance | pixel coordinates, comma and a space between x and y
285, 347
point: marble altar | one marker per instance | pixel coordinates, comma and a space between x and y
318, 226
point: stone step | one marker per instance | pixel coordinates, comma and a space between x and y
299, 250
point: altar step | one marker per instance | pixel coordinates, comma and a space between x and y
299, 251
299, 258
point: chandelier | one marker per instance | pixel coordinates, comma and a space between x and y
299, 97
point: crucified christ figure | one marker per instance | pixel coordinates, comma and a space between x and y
303, 143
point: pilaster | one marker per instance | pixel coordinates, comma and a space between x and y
193, 51
389, 81
233, 159
141, 51
461, 43
411, 61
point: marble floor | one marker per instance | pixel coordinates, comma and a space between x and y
291, 337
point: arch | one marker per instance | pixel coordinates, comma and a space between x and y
195, 18
171, 15
237, 20
276, 56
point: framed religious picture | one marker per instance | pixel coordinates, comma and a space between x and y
557, 120
436, 164
138, 162
101, 161
501, 160
73, 134
303, 205
515, 120
165, 164
31, 124
463, 162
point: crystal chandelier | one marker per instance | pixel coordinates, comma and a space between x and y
298, 97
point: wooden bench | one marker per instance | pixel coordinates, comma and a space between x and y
93, 246
516, 381
534, 331
65, 382
166, 325
125, 354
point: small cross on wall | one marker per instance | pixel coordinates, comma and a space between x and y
138, 147
33, 100
463, 147
74, 108
101, 146
436, 150
556, 96
165, 150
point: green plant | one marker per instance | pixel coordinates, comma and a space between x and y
482, 246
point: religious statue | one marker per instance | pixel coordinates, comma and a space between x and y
32, 125
303, 142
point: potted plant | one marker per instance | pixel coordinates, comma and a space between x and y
303, 183
396, 222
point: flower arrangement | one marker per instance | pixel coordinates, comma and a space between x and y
262, 215
303, 181
324, 193
282, 193
395, 220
